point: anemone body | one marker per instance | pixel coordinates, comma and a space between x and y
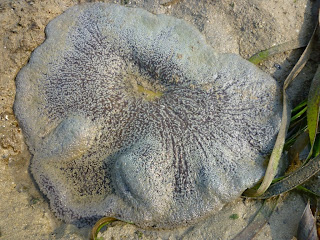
134, 115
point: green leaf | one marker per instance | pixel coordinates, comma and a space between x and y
307, 191
100, 224
291, 140
265, 54
285, 121
234, 216
316, 146
313, 108
299, 107
299, 114
259, 57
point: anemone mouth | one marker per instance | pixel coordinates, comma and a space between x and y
140, 86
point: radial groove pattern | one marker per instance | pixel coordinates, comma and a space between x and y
133, 115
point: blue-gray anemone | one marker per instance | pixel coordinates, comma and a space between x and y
133, 115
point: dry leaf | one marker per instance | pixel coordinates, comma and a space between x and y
307, 229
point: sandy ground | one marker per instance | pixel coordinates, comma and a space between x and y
240, 26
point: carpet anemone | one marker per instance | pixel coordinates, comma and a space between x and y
133, 115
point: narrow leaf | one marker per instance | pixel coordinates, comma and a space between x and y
307, 229
303, 59
291, 140
100, 224
169, 3
299, 114
276, 152
293, 180
313, 108
285, 121
263, 55
316, 146
299, 107
308, 191
295, 150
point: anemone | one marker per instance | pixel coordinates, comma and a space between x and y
133, 115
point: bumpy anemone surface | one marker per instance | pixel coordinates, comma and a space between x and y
134, 115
